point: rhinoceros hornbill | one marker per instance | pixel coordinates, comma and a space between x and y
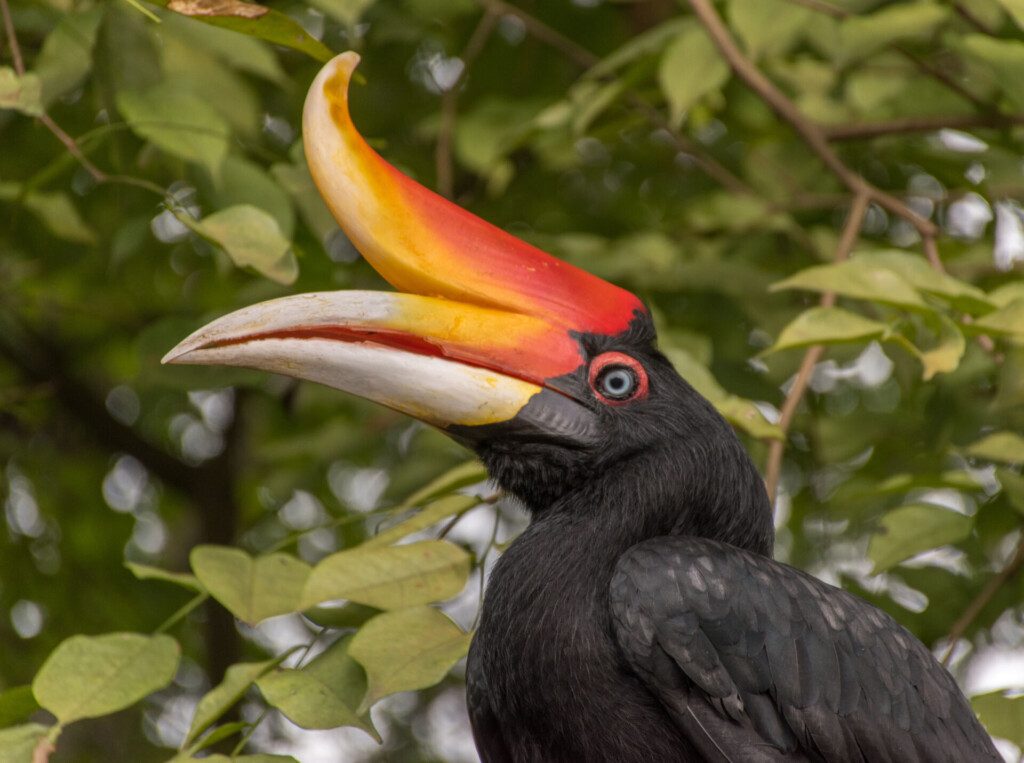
640, 616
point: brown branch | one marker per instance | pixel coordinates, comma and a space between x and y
19, 67
979, 602
813, 135
919, 124
773, 466
450, 103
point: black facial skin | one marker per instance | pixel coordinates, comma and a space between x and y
673, 443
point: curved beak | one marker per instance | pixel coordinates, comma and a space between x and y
488, 328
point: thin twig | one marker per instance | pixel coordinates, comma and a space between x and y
19, 67
773, 466
12, 39
812, 134
919, 124
450, 103
979, 602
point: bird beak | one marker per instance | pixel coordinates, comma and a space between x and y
485, 332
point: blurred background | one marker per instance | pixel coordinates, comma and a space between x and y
152, 178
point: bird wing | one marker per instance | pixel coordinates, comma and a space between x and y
486, 728
755, 660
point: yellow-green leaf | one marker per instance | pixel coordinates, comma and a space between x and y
1006, 321
1004, 58
90, 676
944, 354
252, 589
18, 744
432, 513
859, 278
183, 579
691, 67
1002, 716
221, 698
860, 35
1004, 447
390, 577
22, 93
177, 121
736, 410
407, 650
467, 473
909, 530
251, 238
916, 271
768, 27
252, 20
827, 325
1016, 10
323, 694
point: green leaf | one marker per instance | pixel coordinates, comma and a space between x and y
323, 694
1013, 486
390, 577
431, 514
237, 680
1002, 716
862, 35
238, 51
827, 325
1004, 58
245, 182
177, 121
183, 579
348, 12
1004, 447
463, 475
22, 94
736, 410
1007, 293
1007, 321
54, 210
768, 27
251, 589
407, 650
347, 616
251, 238
910, 530
944, 354
251, 20
17, 744
65, 59
648, 42
16, 704
258, 758
217, 734
296, 180
859, 278
918, 273
1016, 10
690, 68
90, 676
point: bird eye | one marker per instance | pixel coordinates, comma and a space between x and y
616, 378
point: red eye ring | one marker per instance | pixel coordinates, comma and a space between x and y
604, 363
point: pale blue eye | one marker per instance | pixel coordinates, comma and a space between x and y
617, 382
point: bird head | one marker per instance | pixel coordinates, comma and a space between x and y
548, 371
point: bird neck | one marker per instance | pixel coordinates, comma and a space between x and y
708, 489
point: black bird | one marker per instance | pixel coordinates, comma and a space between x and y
640, 616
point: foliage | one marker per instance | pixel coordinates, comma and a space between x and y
173, 534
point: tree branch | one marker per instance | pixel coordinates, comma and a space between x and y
813, 135
19, 66
541, 31
868, 130
450, 103
985, 595
773, 466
